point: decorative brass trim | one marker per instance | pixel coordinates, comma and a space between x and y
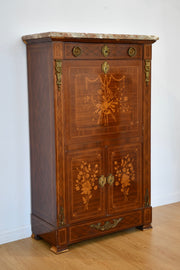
107, 225
76, 51
132, 51
147, 199
61, 217
105, 67
147, 71
110, 179
105, 50
102, 181
58, 70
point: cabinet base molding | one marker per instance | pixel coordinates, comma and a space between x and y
61, 238
80, 232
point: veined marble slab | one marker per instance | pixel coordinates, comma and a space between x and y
66, 35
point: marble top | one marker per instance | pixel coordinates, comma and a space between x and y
63, 35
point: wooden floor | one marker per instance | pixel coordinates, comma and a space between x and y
158, 248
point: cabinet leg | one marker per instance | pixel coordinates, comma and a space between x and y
35, 236
144, 227
58, 250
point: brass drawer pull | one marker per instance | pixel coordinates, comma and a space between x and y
76, 51
110, 179
102, 181
132, 51
107, 225
105, 50
105, 67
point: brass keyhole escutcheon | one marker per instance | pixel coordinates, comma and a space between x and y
110, 179
102, 181
105, 67
132, 51
76, 51
105, 50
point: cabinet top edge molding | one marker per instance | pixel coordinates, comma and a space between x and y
97, 37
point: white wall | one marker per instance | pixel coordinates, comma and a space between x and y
17, 18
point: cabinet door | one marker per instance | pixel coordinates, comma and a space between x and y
125, 165
99, 104
86, 197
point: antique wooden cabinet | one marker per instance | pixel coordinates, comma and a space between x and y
89, 115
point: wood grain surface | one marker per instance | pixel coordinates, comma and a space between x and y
127, 250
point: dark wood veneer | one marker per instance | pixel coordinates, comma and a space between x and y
42, 138
95, 124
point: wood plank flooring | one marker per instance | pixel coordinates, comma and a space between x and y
155, 249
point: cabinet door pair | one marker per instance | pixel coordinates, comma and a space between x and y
104, 181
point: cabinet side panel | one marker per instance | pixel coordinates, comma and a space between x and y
42, 137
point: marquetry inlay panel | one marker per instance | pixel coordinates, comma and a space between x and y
110, 100
86, 197
125, 173
125, 165
87, 181
110, 103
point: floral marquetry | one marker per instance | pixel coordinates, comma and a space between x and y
99, 103
124, 174
110, 99
86, 196
87, 181
126, 168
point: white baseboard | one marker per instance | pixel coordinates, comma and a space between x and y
17, 234
165, 199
